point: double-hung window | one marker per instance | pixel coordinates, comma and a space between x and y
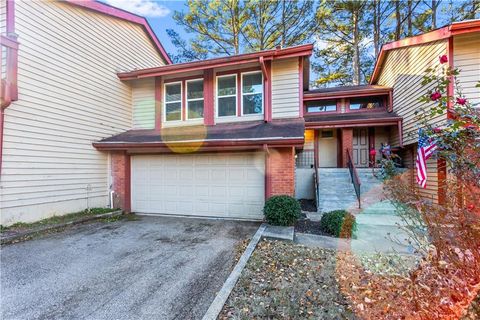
195, 99
227, 95
173, 101
252, 93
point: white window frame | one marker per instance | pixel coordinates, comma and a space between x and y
251, 94
195, 99
176, 101
228, 96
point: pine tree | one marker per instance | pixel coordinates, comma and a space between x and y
342, 35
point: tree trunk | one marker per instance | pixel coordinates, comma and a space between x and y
376, 26
398, 17
356, 49
434, 14
282, 39
409, 19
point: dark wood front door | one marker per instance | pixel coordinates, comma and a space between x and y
360, 147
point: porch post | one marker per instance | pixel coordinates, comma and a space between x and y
347, 143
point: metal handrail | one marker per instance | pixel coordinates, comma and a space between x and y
315, 181
354, 176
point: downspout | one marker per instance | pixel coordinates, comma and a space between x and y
268, 187
11, 72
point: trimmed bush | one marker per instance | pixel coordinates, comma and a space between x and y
338, 223
282, 210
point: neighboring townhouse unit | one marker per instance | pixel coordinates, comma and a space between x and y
401, 66
60, 92
95, 114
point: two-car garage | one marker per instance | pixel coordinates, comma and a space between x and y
228, 185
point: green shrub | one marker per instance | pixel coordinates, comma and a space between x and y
338, 223
282, 210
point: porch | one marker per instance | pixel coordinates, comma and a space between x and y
347, 131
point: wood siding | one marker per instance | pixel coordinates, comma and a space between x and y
466, 57
285, 89
403, 70
143, 103
69, 97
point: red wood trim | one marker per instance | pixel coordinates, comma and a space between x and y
267, 92
400, 132
450, 87
166, 150
124, 15
237, 60
339, 148
208, 98
10, 25
128, 196
390, 101
239, 94
9, 42
246, 144
237, 71
315, 149
184, 100
158, 103
352, 123
300, 85
371, 145
180, 79
310, 96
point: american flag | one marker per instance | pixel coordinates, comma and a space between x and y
426, 147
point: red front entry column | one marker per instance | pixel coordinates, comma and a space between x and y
347, 144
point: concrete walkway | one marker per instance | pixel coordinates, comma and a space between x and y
378, 230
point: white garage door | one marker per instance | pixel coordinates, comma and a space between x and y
218, 184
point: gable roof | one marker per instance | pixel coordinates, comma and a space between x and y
124, 15
297, 51
446, 32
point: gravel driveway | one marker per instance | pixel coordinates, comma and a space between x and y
150, 268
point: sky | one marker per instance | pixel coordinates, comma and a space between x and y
159, 15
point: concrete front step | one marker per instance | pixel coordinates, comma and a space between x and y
378, 219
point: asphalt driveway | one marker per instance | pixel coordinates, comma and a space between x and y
151, 268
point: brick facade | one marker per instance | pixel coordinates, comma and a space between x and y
120, 166
347, 143
281, 171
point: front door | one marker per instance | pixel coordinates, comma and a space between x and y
360, 147
327, 148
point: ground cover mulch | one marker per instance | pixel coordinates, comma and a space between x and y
305, 225
288, 281
308, 205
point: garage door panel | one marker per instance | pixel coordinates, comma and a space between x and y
225, 185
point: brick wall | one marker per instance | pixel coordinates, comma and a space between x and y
281, 171
120, 164
347, 143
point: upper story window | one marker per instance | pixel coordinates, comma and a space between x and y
195, 99
252, 93
173, 101
227, 95
322, 106
365, 103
